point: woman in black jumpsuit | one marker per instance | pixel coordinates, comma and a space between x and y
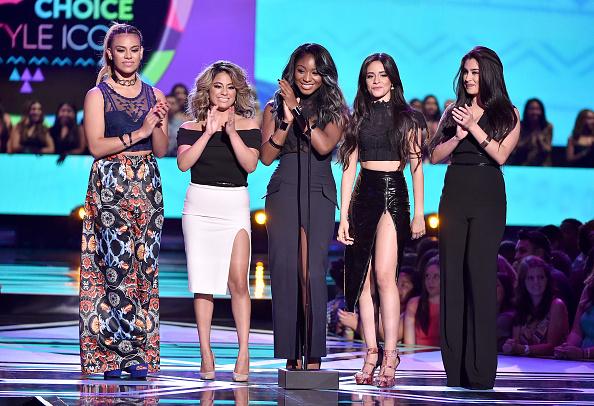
308, 103
478, 133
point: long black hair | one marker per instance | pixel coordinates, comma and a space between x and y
492, 97
330, 103
422, 315
56, 129
407, 121
542, 121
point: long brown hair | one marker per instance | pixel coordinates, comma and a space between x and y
40, 130
105, 62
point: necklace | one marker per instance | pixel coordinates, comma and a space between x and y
124, 82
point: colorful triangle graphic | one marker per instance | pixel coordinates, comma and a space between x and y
26, 88
14, 76
26, 75
38, 76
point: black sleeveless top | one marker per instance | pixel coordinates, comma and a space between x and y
377, 139
218, 163
469, 150
126, 114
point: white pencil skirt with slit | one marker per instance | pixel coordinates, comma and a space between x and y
211, 219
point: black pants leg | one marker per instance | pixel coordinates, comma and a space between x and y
472, 216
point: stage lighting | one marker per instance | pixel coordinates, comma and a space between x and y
260, 217
260, 285
78, 212
433, 221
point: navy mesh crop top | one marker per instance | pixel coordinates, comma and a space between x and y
126, 114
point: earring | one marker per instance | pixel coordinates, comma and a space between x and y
392, 87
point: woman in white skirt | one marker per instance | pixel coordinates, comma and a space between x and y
220, 146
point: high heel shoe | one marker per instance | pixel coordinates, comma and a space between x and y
383, 379
209, 375
114, 373
364, 377
137, 371
237, 377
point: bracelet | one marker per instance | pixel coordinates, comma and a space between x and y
486, 141
121, 137
274, 144
283, 126
130, 137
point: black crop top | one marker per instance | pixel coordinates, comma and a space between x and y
469, 150
377, 141
218, 162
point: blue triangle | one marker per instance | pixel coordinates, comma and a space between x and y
14, 76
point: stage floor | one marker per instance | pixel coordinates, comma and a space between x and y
42, 360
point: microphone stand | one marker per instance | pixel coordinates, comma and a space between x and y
306, 379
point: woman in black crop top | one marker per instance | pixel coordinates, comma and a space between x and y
308, 103
384, 134
221, 146
477, 133
125, 123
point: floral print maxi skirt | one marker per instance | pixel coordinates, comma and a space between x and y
119, 288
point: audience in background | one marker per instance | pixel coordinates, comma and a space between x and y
580, 144
569, 237
536, 135
67, 135
541, 321
505, 308
180, 92
5, 128
432, 113
176, 117
416, 104
580, 342
31, 135
421, 320
507, 249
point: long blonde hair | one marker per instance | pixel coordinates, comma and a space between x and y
105, 63
199, 101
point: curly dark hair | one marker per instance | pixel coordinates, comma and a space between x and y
407, 121
330, 103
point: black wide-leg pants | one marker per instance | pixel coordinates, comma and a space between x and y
472, 214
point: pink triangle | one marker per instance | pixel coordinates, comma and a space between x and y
173, 20
38, 76
26, 88
26, 75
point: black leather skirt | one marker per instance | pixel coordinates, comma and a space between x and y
375, 192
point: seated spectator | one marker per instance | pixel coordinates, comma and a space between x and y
416, 104
580, 342
536, 134
5, 128
504, 267
505, 308
408, 287
421, 320
578, 267
30, 135
432, 113
180, 92
537, 244
541, 320
334, 325
426, 243
67, 135
569, 237
562, 262
553, 234
507, 249
447, 103
176, 117
580, 144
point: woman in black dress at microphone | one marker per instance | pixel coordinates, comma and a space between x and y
309, 103
477, 134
